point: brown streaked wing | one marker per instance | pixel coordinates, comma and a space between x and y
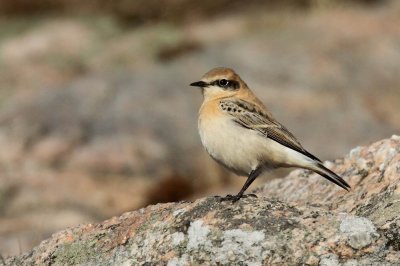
252, 117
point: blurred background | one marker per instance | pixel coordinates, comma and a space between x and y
97, 118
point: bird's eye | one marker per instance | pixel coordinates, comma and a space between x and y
223, 82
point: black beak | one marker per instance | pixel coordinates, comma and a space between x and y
200, 84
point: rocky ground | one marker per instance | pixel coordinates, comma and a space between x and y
97, 118
299, 220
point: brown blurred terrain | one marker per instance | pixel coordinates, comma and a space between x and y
97, 118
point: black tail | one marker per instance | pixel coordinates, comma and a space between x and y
331, 176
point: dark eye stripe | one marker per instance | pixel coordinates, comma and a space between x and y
232, 84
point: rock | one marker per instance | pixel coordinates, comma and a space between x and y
329, 260
301, 219
96, 117
359, 230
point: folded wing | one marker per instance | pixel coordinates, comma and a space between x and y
252, 117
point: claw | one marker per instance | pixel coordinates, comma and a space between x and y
235, 198
250, 195
227, 198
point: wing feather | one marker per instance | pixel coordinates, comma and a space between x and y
252, 117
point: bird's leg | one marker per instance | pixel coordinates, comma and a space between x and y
252, 176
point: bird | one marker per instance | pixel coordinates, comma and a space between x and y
239, 132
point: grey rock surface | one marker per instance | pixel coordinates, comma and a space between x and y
299, 220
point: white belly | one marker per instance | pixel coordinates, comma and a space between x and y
242, 150
235, 147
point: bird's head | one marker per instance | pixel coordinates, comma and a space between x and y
220, 82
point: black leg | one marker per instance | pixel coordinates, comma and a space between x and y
252, 176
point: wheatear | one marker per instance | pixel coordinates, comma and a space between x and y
238, 132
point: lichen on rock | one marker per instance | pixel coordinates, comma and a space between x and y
298, 220
360, 231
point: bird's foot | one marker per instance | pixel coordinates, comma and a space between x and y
235, 198
250, 195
